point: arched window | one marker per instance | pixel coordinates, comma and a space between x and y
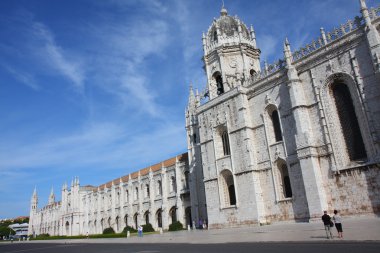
219, 83
126, 220
215, 34
136, 193
187, 180
252, 72
348, 121
226, 143
67, 225
102, 224
286, 187
146, 217
173, 214
172, 184
195, 138
126, 196
228, 188
135, 219
109, 222
159, 188
276, 125
117, 220
147, 191
159, 218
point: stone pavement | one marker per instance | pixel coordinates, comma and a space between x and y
354, 229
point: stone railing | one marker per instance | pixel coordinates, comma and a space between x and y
327, 38
224, 39
374, 12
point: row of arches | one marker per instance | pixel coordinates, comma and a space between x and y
134, 221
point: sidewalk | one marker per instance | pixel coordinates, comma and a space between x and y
354, 229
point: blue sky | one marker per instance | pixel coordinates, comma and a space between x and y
98, 89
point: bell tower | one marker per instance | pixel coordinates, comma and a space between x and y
231, 55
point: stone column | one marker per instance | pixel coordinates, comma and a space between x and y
311, 172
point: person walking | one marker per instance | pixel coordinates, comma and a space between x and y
327, 222
338, 223
140, 231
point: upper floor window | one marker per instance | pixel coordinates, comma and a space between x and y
348, 121
136, 193
226, 143
187, 180
159, 188
172, 184
147, 191
126, 196
219, 83
276, 125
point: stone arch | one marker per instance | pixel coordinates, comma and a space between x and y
283, 179
67, 228
222, 142
188, 216
159, 218
336, 124
117, 223
136, 220
146, 217
173, 214
228, 194
217, 76
273, 123
126, 220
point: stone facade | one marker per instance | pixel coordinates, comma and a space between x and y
281, 143
300, 136
158, 194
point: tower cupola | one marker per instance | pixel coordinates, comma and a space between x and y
231, 55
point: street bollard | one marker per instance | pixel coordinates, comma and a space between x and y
161, 231
128, 234
188, 227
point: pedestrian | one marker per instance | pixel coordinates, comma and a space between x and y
327, 222
140, 231
338, 223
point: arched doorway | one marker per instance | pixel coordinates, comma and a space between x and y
188, 216
146, 217
159, 218
135, 219
173, 214
67, 227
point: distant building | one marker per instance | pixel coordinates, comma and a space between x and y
20, 229
158, 194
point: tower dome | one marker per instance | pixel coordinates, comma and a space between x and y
227, 26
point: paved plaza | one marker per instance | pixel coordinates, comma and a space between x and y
354, 229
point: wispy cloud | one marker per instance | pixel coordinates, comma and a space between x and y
23, 77
55, 56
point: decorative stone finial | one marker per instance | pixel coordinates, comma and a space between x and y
223, 11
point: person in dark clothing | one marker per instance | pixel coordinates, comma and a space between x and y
327, 222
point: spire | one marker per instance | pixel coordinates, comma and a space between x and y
365, 13
287, 52
51, 197
34, 196
191, 96
223, 11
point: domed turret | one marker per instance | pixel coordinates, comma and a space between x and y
230, 53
